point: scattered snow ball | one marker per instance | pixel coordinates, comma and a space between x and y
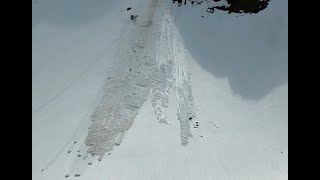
133, 17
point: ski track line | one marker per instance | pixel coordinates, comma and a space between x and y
75, 80
71, 141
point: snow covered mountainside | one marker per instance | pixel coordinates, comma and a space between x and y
145, 89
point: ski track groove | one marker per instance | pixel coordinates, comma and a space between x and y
72, 82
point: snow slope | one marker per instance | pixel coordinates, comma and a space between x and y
168, 96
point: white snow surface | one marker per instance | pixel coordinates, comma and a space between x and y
170, 95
